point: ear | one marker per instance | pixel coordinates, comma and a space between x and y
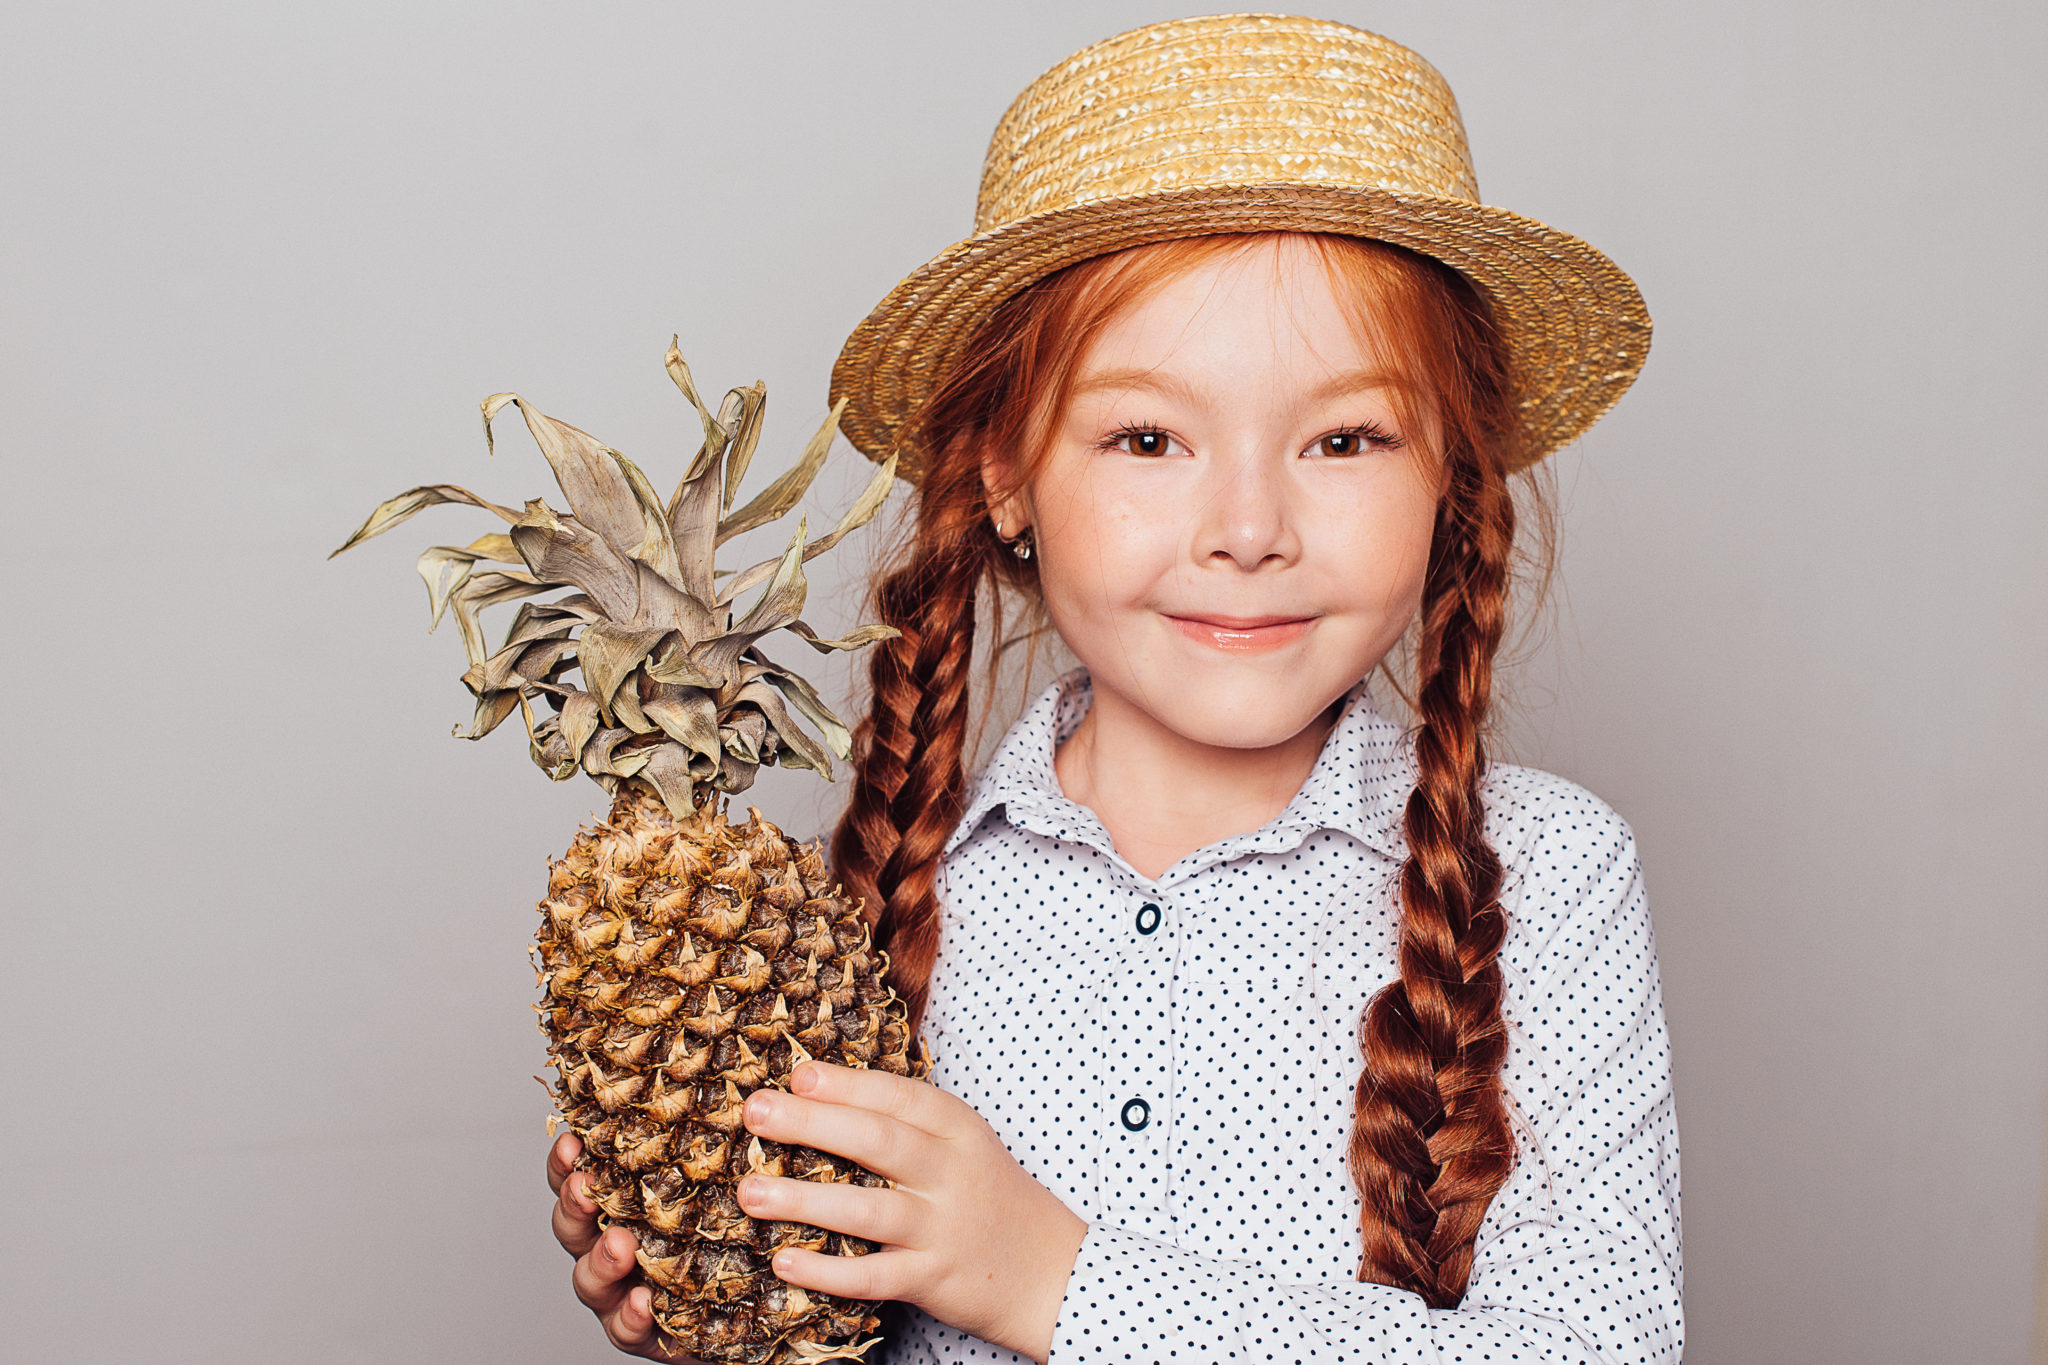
1009, 499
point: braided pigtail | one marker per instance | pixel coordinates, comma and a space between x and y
1431, 1144
909, 785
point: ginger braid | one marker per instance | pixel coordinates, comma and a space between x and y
1431, 1145
909, 786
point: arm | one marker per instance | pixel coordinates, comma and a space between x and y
1578, 1259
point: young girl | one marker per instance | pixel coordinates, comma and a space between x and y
1266, 1028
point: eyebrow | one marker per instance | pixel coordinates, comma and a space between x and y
1169, 385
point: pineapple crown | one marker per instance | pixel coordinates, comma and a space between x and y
675, 691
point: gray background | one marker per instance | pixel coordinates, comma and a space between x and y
269, 1041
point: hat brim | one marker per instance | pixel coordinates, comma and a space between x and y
1575, 325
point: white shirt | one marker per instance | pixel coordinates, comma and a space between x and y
1176, 1059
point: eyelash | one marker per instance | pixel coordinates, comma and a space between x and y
1372, 434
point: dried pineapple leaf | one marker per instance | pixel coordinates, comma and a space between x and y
668, 770
599, 494
517, 662
675, 667
803, 751
491, 710
740, 744
561, 550
774, 501
805, 699
483, 590
856, 638
601, 756
609, 653
657, 547
579, 721
860, 514
715, 435
444, 567
626, 709
544, 744
735, 774
785, 593
753, 403
540, 656
495, 546
541, 620
394, 510
688, 716
778, 606
693, 526
817, 1352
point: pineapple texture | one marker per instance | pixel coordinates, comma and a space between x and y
687, 961
686, 964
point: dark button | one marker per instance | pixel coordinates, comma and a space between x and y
1137, 1114
1148, 917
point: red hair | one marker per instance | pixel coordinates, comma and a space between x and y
1430, 1143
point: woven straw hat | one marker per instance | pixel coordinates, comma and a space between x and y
1247, 123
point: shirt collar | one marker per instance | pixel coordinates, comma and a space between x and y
1359, 785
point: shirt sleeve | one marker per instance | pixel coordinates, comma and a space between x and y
1578, 1260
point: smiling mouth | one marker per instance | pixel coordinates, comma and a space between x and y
1243, 634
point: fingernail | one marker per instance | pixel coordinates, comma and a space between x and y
760, 1107
805, 1079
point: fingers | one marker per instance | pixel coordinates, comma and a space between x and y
639, 1309
606, 1282
878, 1275
600, 1273
562, 1159
920, 1104
631, 1325
885, 1145
575, 1215
892, 1217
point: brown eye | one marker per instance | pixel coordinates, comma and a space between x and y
1362, 440
1146, 442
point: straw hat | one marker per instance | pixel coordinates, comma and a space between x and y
1247, 123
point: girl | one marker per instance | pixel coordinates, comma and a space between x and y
1265, 1028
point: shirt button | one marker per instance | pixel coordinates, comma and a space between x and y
1148, 917
1137, 1114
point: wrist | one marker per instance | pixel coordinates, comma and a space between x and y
1047, 1288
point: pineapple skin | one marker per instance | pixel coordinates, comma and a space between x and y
687, 963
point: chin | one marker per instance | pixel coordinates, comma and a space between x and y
1237, 704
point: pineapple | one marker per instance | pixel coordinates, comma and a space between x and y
686, 960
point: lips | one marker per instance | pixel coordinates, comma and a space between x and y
1243, 634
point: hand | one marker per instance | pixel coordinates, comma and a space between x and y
968, 1235
607, 1276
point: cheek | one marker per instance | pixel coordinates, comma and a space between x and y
1378, 551
1101, 548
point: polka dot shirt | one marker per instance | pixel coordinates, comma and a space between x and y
1176, 1059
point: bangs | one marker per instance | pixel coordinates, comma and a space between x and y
1432, 329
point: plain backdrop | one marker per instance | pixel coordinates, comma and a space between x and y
268, 1039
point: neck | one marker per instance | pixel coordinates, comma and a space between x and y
1161, 795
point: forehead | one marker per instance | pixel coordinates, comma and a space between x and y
1272, 306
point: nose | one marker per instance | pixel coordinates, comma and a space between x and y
1247, 514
